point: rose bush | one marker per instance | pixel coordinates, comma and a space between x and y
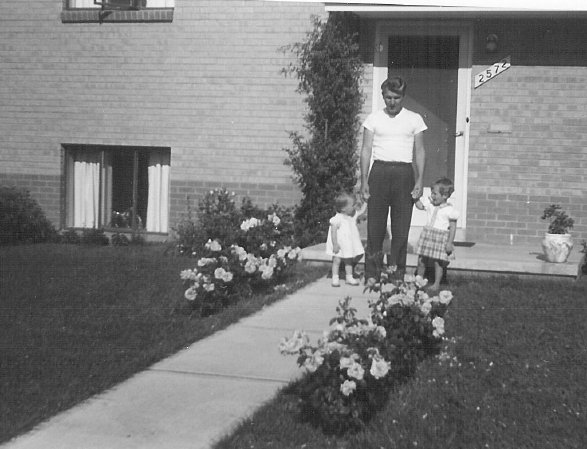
251, 252
346, 371
413, 320
353, 367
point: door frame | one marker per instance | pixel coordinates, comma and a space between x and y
386, 28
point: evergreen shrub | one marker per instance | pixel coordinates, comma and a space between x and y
325, 159
21, 218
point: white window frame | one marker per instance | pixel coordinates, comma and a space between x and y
98, 211
89, 4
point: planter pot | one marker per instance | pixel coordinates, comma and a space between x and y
557, 247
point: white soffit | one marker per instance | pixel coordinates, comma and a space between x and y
457, 8
511, 5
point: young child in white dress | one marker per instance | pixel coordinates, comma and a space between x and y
344, 241
436, 241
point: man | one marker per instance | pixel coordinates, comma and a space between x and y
393, 139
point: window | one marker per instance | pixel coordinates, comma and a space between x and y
76, 11
75, 4
117, 187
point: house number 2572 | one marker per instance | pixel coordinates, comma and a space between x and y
491, 72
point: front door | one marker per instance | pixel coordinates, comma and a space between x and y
430, 64
433, 59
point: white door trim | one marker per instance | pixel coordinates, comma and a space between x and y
438, 28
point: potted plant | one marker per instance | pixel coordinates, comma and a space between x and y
557, 242
583, 263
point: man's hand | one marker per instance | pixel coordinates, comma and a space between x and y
365, 192
449, 248
335, 248
417, 191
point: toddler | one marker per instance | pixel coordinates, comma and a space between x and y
344, 242
436, 241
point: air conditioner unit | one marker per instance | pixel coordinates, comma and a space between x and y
125, 5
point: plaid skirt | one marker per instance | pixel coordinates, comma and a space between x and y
432, 244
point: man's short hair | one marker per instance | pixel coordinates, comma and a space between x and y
395, 84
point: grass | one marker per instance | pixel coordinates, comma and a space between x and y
77, 320
512, 376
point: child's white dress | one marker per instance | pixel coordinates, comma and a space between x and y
348, 236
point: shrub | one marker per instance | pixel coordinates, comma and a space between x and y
94, 237
351, 371
21, 218
219, 219
219, 216
69, 236
190, 237
329, 69
242, 250
119, 239
138, 238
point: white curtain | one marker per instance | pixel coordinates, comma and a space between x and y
158, 197
86, 190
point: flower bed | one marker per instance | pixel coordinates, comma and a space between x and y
353, 367
237, 257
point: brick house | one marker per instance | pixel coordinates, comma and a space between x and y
101, 110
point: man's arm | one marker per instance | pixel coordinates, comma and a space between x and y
366, 150
420, 159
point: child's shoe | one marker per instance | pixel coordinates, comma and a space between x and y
352, 281
335, 281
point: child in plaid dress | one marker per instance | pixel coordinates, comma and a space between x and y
436, 241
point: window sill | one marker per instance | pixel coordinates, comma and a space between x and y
114, 16
129, 231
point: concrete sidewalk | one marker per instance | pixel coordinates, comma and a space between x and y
198, 395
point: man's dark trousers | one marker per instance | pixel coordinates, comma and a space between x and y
390, 190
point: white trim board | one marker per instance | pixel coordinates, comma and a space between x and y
468, 5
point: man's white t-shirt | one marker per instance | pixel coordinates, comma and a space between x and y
393, 137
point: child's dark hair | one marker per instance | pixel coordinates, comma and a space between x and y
343, 200
445, 186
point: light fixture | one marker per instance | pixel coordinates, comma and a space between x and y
491, 43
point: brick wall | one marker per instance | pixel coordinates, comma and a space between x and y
208, 85
540, 156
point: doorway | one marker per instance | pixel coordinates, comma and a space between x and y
430, 66
434, 59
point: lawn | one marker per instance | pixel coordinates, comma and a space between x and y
512, 375
77, 320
